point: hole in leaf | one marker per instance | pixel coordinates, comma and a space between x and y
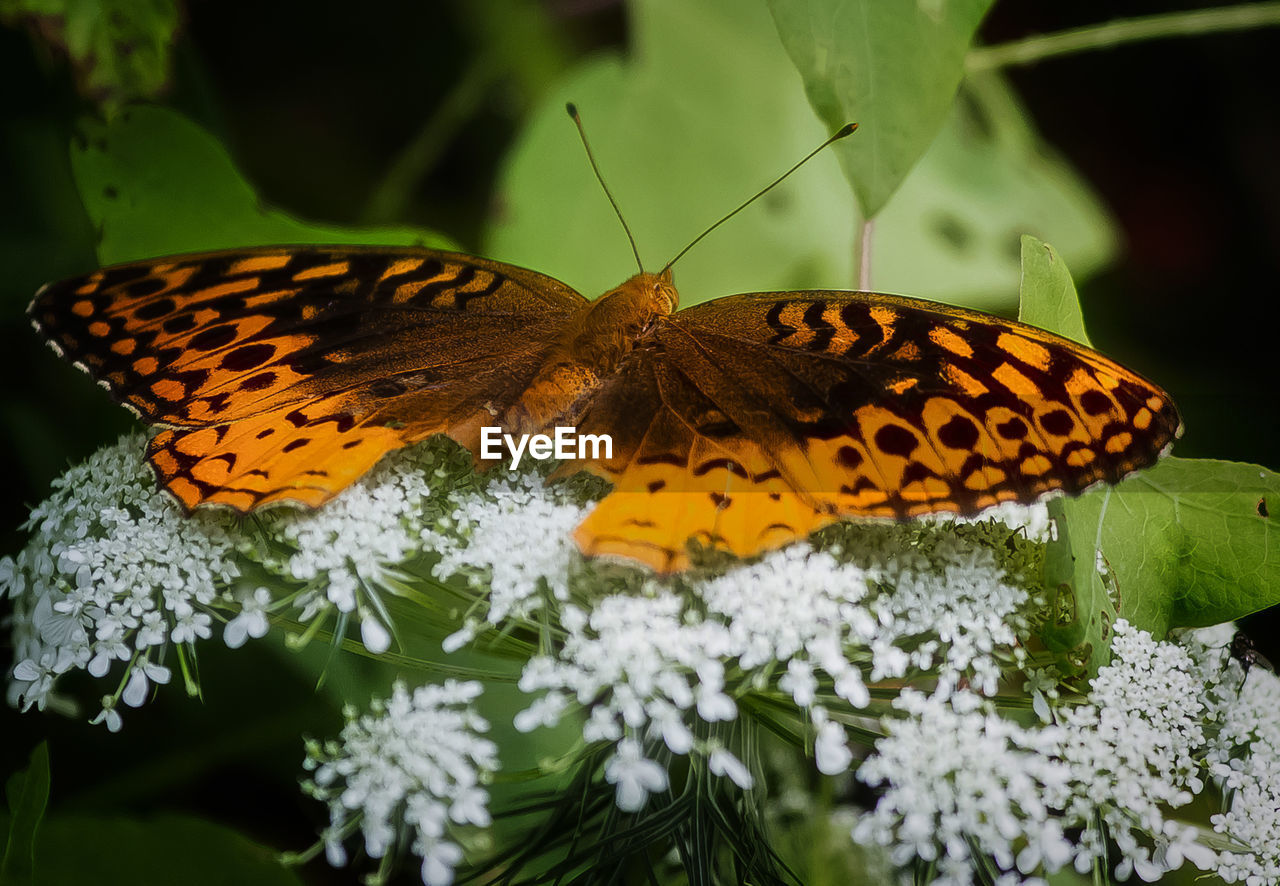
778, 201
953, 231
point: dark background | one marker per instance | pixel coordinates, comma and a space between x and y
315, 101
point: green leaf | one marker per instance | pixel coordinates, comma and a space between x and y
1185, 543
1087, 604
1048, 294
119, 851
891, 67
155, 183
28, 795
121, 49
715, 73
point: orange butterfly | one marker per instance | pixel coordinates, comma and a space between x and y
285, 373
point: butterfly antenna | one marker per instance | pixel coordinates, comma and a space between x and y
582, 134
845, 130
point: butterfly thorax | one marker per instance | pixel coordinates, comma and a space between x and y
592, 346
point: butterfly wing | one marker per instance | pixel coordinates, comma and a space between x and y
835, 404
678, 463
287, 372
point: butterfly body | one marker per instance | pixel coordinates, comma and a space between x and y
595, 341
283, 374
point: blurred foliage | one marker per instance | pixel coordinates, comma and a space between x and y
112, 850
120, 49
707, 79
156, 184
27, 795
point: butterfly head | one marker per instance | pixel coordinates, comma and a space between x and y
639, 299
662, 291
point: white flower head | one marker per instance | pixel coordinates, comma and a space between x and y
955, 775
350, 552
953, 779
653, 665
509, 539
417, 761
113, 573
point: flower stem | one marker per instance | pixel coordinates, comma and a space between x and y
1195, 23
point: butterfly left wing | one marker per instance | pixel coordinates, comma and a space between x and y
284, 373
835, 404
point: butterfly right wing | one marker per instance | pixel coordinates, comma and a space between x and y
286, 372
850, 404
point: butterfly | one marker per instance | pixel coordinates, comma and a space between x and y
283, 374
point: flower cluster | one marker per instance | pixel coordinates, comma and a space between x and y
960, 779
114, 571
1244, 762
957, 777
348, 553
644, 663
416, 760
113, 574
1135, 751
115, 580
509, 541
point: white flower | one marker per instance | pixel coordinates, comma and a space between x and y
1134, 748
958, 776
414, 764
34, 680
438, 861
723, 762
251, 621
635, 776
109, 715
375, 637
1244, 762
958, 779
349, 552
142, 674
190, 626
648, 663
545, 711
831, 749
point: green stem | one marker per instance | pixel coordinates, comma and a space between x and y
1196, 23
864, 254
392, 194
